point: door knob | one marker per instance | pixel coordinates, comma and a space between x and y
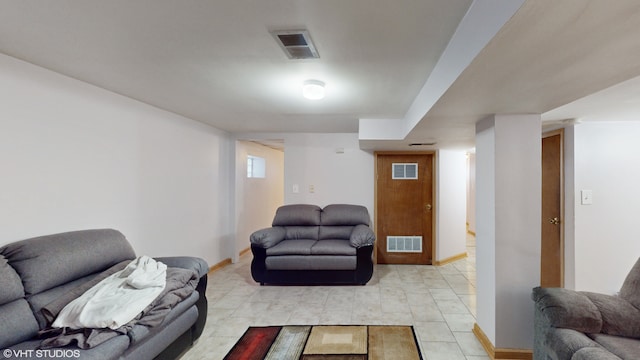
428, 207
554, 221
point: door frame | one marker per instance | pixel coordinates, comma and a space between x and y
546, 134
434, 186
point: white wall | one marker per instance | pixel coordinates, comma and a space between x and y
485, 228
75, 156
518, 232
569, 208
508, 206
348, 177
451, 204
471, 192
607, 155
257, 198
337, 178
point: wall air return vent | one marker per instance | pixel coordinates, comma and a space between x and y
411, 244
296, 44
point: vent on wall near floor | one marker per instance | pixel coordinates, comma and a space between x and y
411, 244
296, 44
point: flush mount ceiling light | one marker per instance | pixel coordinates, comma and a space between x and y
313, 89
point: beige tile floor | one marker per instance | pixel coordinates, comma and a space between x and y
439, 302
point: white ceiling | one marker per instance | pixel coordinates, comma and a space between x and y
216, 62
550, 54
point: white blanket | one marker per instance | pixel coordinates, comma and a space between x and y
117, 299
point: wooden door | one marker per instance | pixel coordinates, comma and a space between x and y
552, 251
404, 208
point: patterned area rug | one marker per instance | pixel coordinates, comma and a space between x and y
350, 342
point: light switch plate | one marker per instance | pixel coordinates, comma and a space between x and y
586, 197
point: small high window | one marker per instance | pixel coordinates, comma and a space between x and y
404, 171
256, 167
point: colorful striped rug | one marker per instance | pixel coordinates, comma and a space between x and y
349, 342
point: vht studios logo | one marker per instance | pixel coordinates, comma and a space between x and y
41, 353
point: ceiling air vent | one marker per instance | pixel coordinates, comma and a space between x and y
423, 144
296, 44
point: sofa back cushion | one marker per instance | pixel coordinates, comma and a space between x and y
48, 261
344, 215
300, 221
338, 220
297, 215
10, 283
310, 222
630, 290
18, 321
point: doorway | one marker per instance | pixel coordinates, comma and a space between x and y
552, 225
404, 207
259, 179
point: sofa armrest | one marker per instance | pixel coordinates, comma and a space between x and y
266, 238
200, 266
362, 235
564, 308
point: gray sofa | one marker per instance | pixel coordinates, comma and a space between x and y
581, 325
38, 272
310, 245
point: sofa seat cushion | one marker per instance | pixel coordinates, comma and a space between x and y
593, 353
305, 262
333, 247
563, 343
139, 332
292, 247
18, 323
47, 297
160, 336
625, 348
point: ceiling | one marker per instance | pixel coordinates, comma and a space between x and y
544, 60
216, 61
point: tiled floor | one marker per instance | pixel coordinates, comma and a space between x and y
438, 301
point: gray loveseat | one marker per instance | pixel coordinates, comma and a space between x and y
581, 325
310, 245
38, 272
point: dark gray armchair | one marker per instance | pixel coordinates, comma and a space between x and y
581, 325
